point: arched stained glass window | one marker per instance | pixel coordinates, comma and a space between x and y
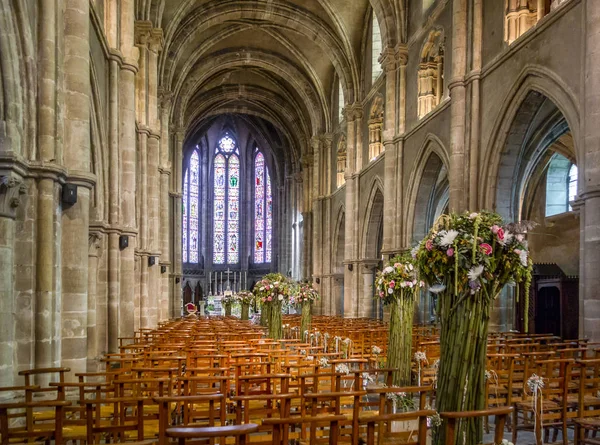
191, 189
226, 194
263, 211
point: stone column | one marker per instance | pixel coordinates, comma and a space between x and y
114, 255
92, 331
165, 227
589, 179
474, 77
400, 241
11, 188
141, 303
154, 241
388, 62
127, 147
458, 157
317, 223
176, 195
351, 284
75, 217
367, 305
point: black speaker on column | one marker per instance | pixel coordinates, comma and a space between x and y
69, 194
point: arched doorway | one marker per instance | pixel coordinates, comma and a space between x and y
536, 180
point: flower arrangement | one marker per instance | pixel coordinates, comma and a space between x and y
244, 297
342, 369
272, 288
272, 291
467, 259
471, 251
228, 299
399, 278
304, 292
401, 401
397, 285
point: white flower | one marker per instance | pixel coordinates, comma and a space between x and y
535, 382
391, 291
508, 238
302, 351
473, 215
388, 269
347, 340
420, 356
368, 378
310, 357
437, 288
523, 257
448, 237
414, 251
262, 288
474, 272
323, 362
280, 297
410, 266
376, 350
342, 369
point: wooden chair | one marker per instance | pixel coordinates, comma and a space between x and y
381, 425
321, 429
27, 429
587, 423
500, 413
197, 410
240, 432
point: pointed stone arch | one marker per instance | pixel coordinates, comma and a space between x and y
542, 83
428, 188
373, 221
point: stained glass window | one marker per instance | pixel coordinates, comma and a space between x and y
185, 218
263, 211
190, 212
226, 211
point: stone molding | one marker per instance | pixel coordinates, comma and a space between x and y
11, 189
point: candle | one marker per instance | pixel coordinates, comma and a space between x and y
209, 281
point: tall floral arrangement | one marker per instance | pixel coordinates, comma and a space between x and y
467, 259
227, 301
245, 298
272, 291
397, 286
304, 295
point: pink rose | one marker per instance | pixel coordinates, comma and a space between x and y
450, 252
495, 229
269, 298
517, 251
381, 294
392, 283
429, 244
397, 265
500, 233
486, 248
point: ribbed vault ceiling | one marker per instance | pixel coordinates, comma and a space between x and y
273, 63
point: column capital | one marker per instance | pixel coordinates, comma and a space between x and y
11, 189
353, 111
156, 40
165, 97
143, 31
94, 241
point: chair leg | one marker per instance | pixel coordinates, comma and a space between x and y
514, 425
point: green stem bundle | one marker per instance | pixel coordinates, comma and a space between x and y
305, 320
463, 345
275, 323
227, 307
400, 339
245, 311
